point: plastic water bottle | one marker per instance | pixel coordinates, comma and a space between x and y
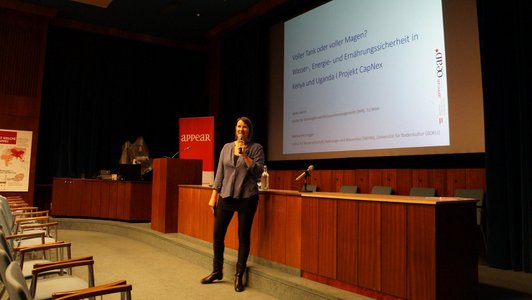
265, 179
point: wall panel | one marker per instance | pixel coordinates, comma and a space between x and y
23, 33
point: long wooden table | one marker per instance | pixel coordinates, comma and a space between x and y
378, 245
106, 199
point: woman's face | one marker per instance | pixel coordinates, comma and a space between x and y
242, 129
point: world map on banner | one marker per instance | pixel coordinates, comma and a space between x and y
12, 153
15, 157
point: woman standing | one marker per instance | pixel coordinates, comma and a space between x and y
235, 190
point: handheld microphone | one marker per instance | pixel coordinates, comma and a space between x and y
306, 173
240, 137
179, 151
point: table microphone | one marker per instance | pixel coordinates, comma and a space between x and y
309, 169
179, 151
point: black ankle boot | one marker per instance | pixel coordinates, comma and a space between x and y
217, 273
212, 277
239, 277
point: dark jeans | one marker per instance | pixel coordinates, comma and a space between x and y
225, 209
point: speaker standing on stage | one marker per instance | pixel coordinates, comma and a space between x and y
235, 190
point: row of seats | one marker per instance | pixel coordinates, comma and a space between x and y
381, 190
414, 191
35, 264
423, 192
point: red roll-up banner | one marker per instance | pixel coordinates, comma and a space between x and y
196, 141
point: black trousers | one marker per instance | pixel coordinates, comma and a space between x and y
225, 209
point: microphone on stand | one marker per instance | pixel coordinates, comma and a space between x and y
306, 173
179, 151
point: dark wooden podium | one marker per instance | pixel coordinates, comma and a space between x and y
168, 174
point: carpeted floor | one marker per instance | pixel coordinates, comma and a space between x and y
156, 273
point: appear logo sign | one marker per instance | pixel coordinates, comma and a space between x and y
196, 137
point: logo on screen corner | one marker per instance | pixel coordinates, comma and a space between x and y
439, 63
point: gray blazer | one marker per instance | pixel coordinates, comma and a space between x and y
237, 180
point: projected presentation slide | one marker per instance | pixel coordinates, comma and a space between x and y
365, 74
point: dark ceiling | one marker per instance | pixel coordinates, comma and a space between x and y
179, 20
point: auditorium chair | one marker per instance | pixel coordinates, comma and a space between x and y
38, 254
310, 188
381, 190
42, 288
118, 287
18, 290
40, 233
349, 189
16, 200
476, 194
422, 191
24, 218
